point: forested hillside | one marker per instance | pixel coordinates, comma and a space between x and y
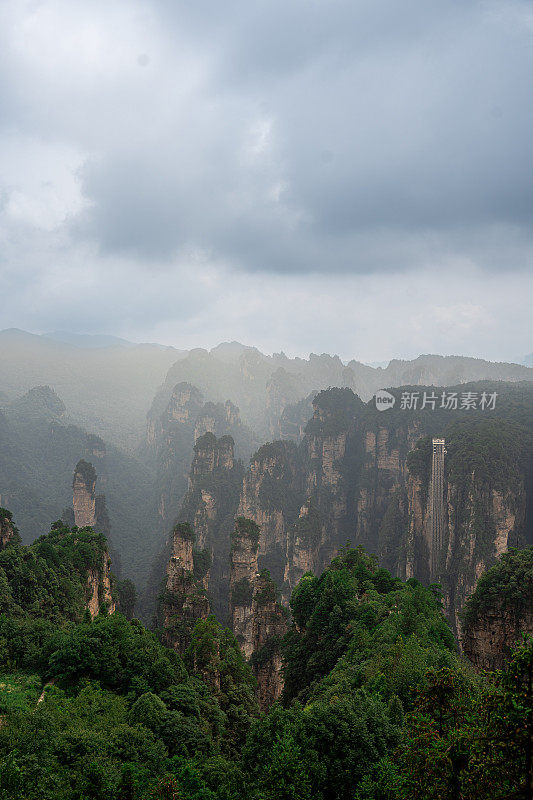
377, 703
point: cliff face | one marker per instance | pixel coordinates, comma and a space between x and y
209, 506
269, 625
84, 498
244, 551
185, 599
172, 433
485, 502
358, 475
303, 544
258, 620
345, 482
99, 587
489, 641
271, 497
483, 523
170, 438
499, 611
90, 510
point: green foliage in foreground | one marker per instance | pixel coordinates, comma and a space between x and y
377, 703
48, 579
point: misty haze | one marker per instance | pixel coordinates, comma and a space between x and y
266, 400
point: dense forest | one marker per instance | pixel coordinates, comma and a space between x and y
377, 701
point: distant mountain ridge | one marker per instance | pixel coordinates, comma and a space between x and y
108, 383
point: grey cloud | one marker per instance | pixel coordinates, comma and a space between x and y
392, 124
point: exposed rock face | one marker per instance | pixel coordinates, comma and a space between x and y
271, 498
185, 600
170, 438
483, 523
99, 588
172, 433
302, 547
90, 511
217, 418
489, 641
268, 628
89, 508
499, 611
84, 498
258, 620
209, 506
244, 550
7, 531
485, 513
350, 479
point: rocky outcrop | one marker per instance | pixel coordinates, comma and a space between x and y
99, 591
174, 430
303, 544
500, 611
485, 502
258, 621
271, 497
89, 510
244, 551
84, 498
210, 506
217, 418
269, 625
488, 642
483, 523
170, 439
185, 598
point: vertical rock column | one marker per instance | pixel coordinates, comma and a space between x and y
185, 600
88, 511
243, 560
83, 491
269, 626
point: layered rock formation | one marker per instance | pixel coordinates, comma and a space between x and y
485, 500
269, 625
89, 508
99, 589
358, 477
362, 476
210, 506
173, 431
258, 621
489, 642
185, 598
244, 551
500, 611
90, 511
84, 497
271, 497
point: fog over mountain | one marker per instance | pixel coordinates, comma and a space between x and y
350, 178
266, 400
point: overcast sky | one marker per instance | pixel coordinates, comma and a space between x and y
344, 176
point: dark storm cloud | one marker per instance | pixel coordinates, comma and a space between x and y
385, 126
170, 170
